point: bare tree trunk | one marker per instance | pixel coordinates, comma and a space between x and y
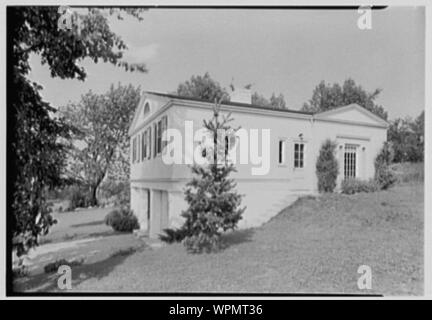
93, 199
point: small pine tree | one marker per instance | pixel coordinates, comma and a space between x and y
213, 202
327, 167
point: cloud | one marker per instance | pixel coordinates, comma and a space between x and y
141, 54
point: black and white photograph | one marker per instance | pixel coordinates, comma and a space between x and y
247, 150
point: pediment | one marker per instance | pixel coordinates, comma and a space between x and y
148, 105
352, 113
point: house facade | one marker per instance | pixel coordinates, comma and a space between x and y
274, 152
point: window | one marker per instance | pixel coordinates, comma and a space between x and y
298, 155
158, 145
350, 157
146, 109
281, 153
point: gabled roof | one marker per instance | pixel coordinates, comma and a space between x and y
344, 114
227, 103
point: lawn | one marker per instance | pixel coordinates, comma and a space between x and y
78, 236
316, 245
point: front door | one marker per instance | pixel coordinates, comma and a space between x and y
350, 161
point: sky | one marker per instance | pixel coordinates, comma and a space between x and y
281, 51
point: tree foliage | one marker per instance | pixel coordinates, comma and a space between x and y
327, 96
206, 88
39, 137
407, 138
275, 102
327, 167
202, 87
102, 140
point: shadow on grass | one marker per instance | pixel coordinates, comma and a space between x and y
88, 224
107, 233
237, 237
48, 282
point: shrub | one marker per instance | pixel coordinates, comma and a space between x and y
351, 186
384, 176
327, 167
122, 220
173, 235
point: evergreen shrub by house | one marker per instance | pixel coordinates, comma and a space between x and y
122, 220
351, 186
384, 175
214, 204
327, 167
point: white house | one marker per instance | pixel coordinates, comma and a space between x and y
283, 148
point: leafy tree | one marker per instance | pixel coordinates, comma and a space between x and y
205, 88
407, 138
102, 141
38, 137
276, 102
327, 96
327, 167
213, 202
202, 87
418, 128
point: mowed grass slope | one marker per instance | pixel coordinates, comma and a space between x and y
315, 245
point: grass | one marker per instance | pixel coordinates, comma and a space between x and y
81, 240
315, 245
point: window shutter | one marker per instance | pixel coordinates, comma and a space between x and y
155, 140
133, 150
138, 147
164, 128
149, 142
143, 151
